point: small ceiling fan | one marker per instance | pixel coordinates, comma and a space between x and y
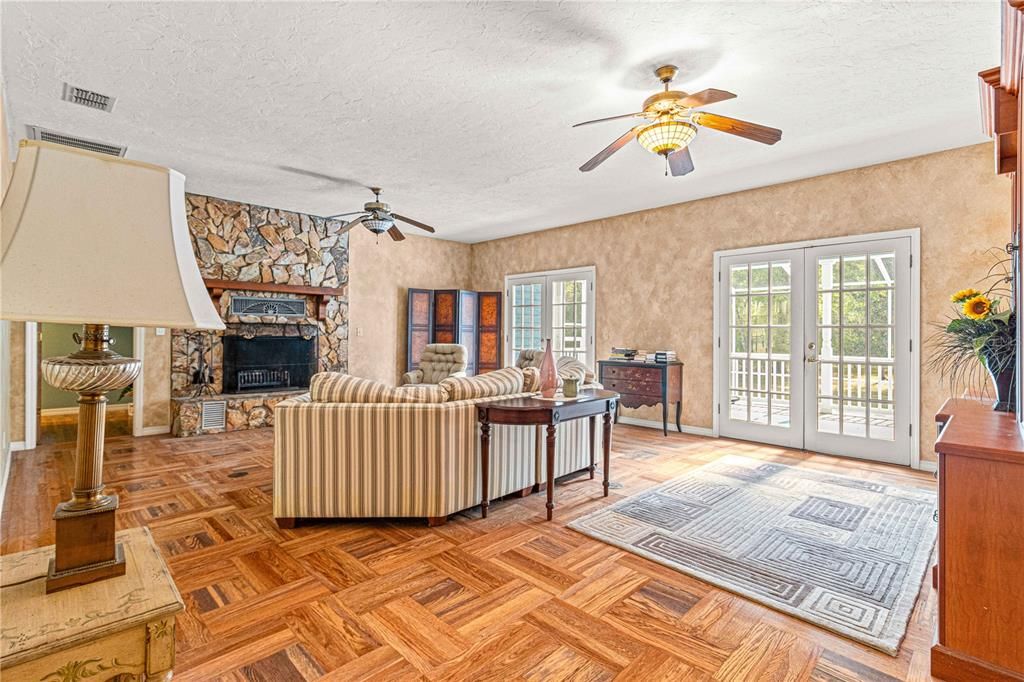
378, 218
671, 125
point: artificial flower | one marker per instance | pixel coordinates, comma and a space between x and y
964, 295
978, 307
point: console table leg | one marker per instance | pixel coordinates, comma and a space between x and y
607, 448
679, 410
593, 444
485, 466
551, 470
664, 418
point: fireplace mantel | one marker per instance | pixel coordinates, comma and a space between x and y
217, 287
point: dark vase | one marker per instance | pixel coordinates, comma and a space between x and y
1004, 383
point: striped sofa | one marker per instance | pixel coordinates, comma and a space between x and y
354, 448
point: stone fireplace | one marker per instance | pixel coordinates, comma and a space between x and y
279, 281
256, 361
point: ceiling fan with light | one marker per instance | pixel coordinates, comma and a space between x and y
378, 218
672, 125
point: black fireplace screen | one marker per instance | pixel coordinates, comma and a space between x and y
268, 362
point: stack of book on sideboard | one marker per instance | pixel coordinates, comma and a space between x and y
634, 355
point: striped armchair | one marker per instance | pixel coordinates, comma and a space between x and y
403, 457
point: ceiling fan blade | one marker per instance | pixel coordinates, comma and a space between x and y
734, 126
341, 215
705, 97
396, 234
350, 225
626, 138
609, 118
414, 223
680, 162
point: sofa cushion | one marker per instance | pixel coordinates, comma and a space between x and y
499, 382
531, 379
571, 368
336, 387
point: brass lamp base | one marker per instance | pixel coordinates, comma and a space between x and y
86, 550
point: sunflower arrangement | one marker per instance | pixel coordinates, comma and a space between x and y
978, 339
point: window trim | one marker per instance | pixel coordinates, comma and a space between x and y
588, 273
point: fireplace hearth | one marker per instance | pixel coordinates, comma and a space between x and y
266, 363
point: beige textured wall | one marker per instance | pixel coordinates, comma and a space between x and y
654, 268
156, 381
380, 275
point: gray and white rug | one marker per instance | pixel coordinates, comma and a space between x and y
843, 553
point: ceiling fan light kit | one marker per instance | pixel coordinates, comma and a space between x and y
378, 218
673, 125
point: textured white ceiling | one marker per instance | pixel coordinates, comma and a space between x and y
463, 111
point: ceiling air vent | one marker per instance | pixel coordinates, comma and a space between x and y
37, 133
87, 98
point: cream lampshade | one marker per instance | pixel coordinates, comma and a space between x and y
98, 240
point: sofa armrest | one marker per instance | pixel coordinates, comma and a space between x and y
413, 377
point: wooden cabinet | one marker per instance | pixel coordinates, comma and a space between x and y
645, 383
981, 545
470, 318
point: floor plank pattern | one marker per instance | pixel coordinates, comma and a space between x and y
510, 597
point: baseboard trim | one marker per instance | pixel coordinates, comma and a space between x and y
8, 460
929, 466
17, 445
156, 430
57, 411
651, 424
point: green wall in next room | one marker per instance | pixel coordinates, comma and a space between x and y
56, 340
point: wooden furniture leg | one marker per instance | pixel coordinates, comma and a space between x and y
434, 521
551, 470
679, 410
593, 444
607, 450
664, 418
485, 465
286, 522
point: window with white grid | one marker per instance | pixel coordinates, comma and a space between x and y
556, 305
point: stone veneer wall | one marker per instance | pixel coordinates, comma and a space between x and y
248, 243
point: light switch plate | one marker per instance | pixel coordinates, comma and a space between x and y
160, 331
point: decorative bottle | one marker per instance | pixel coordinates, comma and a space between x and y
548, 374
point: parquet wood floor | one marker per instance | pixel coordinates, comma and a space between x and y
512, 597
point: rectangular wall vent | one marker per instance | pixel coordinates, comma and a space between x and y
87, 98
262, 305
38, 133
215, 414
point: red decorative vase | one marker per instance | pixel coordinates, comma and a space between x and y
548, 374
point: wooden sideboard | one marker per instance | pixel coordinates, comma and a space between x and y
981, 544
645, 383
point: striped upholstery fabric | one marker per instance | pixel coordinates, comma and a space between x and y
390, 460
531, 379
335, 387
571, 368
502, 382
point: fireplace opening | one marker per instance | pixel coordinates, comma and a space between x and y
267, 363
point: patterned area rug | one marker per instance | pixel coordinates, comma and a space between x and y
846, 554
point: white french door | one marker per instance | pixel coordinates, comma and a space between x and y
815, 348
556, 305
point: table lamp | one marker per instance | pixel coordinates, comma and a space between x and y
96, 240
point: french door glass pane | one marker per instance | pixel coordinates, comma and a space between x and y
526, 317
759, 337
856, 326
569, 318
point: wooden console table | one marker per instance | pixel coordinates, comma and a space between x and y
119, 628
549, 413
645, 383
981, 544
